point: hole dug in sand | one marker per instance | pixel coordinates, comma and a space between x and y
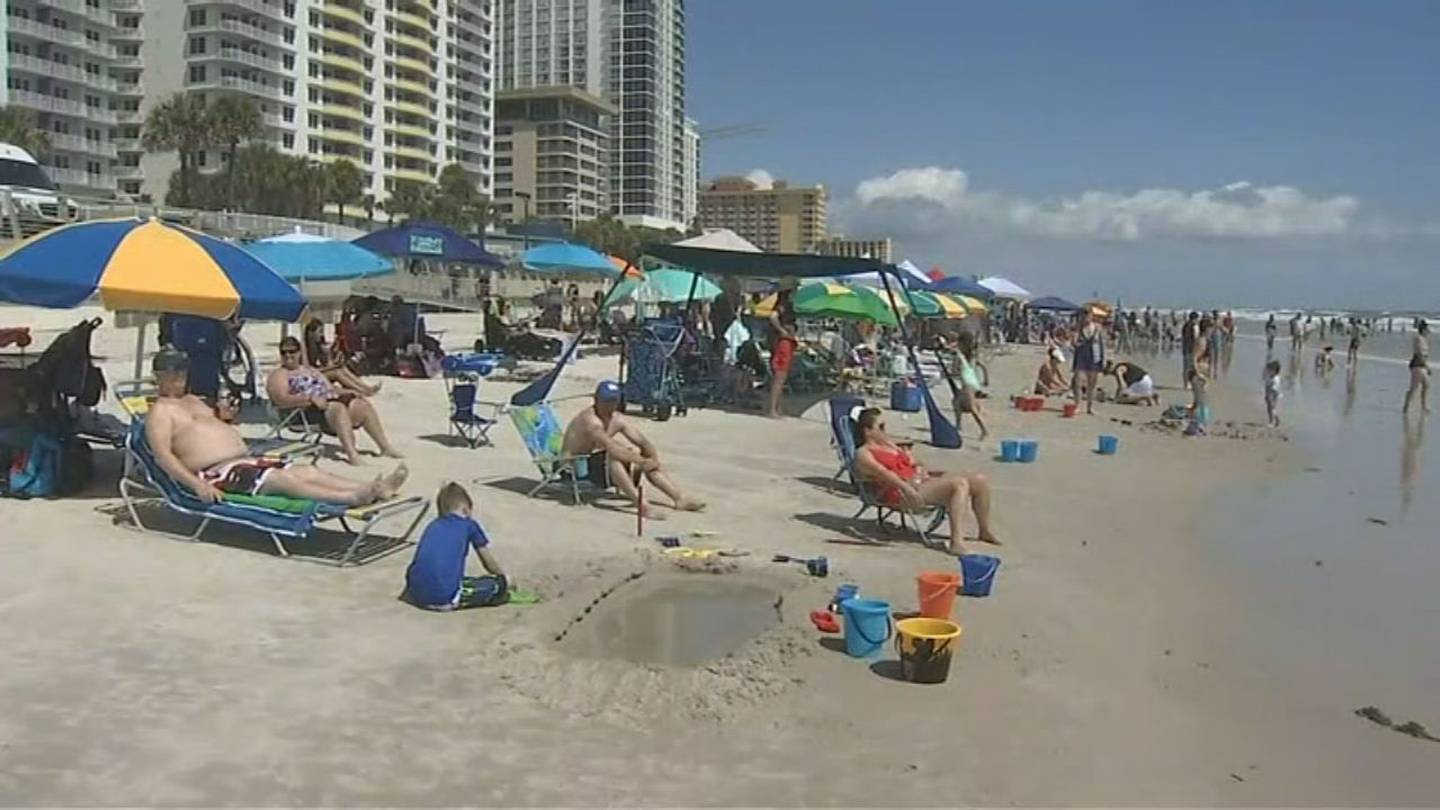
675, 620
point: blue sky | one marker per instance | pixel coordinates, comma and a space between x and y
1259, 153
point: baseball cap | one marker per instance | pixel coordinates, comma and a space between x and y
607, 391
170, 359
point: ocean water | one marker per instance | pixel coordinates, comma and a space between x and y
1339, 566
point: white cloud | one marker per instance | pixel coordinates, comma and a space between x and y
1239, 210
942, 186
761, 178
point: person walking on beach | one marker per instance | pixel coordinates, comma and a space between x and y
1272, 392
1419, 367
1270, 330
1213, 340
1089, 359
1189, 344
783, 343
971, 389
1296, 339
1352, 353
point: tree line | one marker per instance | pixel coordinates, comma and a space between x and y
258, 178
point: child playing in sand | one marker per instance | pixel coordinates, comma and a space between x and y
1272, 392
436, 577
1200, 402
1325, 361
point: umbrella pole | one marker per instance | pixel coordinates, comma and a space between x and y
140, 349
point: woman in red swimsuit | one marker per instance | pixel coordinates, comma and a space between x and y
903, 482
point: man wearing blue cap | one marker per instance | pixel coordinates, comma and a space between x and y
617, 450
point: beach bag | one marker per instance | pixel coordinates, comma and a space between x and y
35, 473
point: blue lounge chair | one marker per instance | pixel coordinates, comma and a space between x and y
540, 429
145, 478
923, 521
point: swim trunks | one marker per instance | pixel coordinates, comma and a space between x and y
242, 476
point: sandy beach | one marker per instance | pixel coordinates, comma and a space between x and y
1110, 667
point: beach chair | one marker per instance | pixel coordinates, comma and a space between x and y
278, 517
923, 521
298, 423
544, 438
471, 427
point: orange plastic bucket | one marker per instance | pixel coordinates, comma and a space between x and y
937, 593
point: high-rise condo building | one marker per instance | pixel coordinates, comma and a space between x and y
551, 148
632, 54
76, 65
399, 87
778, 218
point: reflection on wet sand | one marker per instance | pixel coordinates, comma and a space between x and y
1351, 374
1410, 459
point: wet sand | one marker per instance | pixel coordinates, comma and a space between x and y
1114, 664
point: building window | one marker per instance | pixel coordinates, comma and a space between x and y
197, 74
197, 16
289, 140
197, 45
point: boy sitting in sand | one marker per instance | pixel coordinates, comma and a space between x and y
436, 577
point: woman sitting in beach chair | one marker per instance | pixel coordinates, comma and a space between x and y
900, 482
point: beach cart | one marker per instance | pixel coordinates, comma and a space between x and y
652, 370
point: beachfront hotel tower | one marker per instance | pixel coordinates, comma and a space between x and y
401, 88
75, 64
631, 53
777, 217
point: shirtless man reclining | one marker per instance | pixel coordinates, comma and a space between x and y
209, 457
616, 447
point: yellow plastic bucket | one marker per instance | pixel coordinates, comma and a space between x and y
925, 647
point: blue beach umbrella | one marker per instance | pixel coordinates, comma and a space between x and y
306, 257
566, 258
962, 286
144, 265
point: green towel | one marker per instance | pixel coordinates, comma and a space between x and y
523, 596
278, 503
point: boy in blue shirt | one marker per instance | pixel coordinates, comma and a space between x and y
436, 577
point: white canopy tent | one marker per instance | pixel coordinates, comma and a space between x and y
721, 239
1005, 288
909, 273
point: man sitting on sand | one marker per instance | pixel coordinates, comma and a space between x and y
1050, 380
616, 449
209, 457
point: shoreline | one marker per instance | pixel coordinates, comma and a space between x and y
210, 673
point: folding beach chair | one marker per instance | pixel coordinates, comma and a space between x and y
923, 521
136, 397
276, 516
545, 440
298, 423
470, 426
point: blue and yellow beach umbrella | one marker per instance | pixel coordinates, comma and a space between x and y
144, 266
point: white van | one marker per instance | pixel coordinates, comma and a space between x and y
26, 190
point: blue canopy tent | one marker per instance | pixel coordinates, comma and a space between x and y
1051, 303
962, 286
778, 265
428, 240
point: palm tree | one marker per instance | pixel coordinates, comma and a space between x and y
178, 124
231, 119
347, 183
19, 126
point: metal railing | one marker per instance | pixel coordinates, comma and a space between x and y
255, 31
59, 70
64, 36
271, 63
75, 143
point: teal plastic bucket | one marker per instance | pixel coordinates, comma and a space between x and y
1028, 451
978, 573
867, 626
1108, 445
1009, 450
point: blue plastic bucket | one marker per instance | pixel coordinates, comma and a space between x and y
1108, 445
978, 573
1009, 450
1028, 451
867, 626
